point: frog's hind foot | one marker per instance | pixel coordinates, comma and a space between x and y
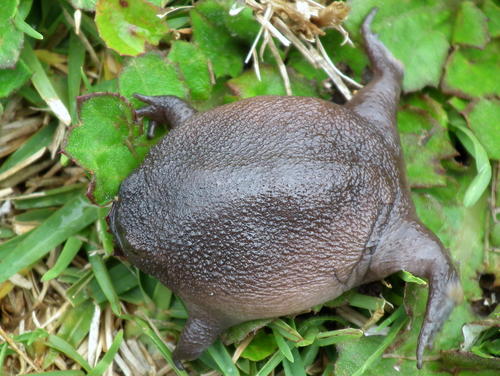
444, 293
377, 102
197, 335
413, 248
381, 59
164, 109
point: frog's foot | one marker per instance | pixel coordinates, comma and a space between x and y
164, 109
198, 334
378, 101
381, 59
413, 248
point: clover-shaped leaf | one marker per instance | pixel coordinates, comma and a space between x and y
107, 143
126, 26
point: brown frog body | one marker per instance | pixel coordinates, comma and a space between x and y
270, 205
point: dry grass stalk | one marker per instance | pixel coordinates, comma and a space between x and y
299, 23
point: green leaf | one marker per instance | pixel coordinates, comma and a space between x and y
157, 341
74, 328
215, 41
8, 9
238, 332
483, 177
29, 337
69, 251
261, 347
194, 68
470, 27
107, 359
51, 197
413, 31
150, 74
88, 5
286, 330
126, 26
65, 222
350, 356
102, 277
44, 85
11, 42
76, 60
469, 72
221, 357
26, 28
425, 143
333, 337
63, 346
410, 278
484, 120
247, 85
296, 367
282, 345
117, 145
13, 79
492, 11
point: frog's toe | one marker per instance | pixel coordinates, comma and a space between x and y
382, 60
164, 109
445, 292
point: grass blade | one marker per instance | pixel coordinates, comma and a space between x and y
62, 346
271, 364
69, 251
220, 355
481, 181
282, 345
107, 359
65, 222
58, 373
160, 345
286, 330
102, 277
76, 60
400, 321
295, 368
42, 84
335, 336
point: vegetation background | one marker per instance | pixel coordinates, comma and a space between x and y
68, 307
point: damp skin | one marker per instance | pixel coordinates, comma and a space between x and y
271, 205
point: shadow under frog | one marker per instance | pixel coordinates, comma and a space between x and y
270, 205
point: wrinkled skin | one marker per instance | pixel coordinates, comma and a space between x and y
270, 205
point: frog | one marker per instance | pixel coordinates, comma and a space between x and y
270, 205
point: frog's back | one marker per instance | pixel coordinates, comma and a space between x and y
251, 189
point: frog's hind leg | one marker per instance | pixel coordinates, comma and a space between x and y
413, 248
378, 101
164, 109
199, 332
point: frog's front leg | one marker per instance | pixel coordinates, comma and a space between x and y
411, 247
164, 109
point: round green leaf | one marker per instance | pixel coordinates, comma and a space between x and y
470, 26
194, 68
150, 74
127, 25
471, 72
106, 143
484, 120
215, 41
